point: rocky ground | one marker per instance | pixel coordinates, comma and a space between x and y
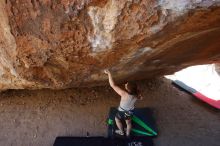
36, 118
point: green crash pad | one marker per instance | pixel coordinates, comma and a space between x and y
143, 123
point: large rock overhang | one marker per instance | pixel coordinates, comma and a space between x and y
68, 43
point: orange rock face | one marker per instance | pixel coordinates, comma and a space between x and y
68, 43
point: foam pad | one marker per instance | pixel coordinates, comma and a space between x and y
198, 95
79, 141
101, 141
144, 114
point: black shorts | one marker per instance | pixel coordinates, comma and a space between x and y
124, 115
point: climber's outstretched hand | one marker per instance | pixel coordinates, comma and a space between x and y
106, 71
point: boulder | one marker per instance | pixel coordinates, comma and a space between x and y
68, 43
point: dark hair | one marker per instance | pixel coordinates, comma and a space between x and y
132, 88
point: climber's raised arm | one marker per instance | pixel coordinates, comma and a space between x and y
117, 89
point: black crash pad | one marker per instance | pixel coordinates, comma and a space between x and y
102, 141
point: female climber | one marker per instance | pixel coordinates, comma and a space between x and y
128, 98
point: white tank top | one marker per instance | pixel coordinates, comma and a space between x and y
127, 103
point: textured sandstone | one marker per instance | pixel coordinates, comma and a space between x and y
68, 43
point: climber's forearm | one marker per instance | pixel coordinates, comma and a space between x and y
111, 81
117, 89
